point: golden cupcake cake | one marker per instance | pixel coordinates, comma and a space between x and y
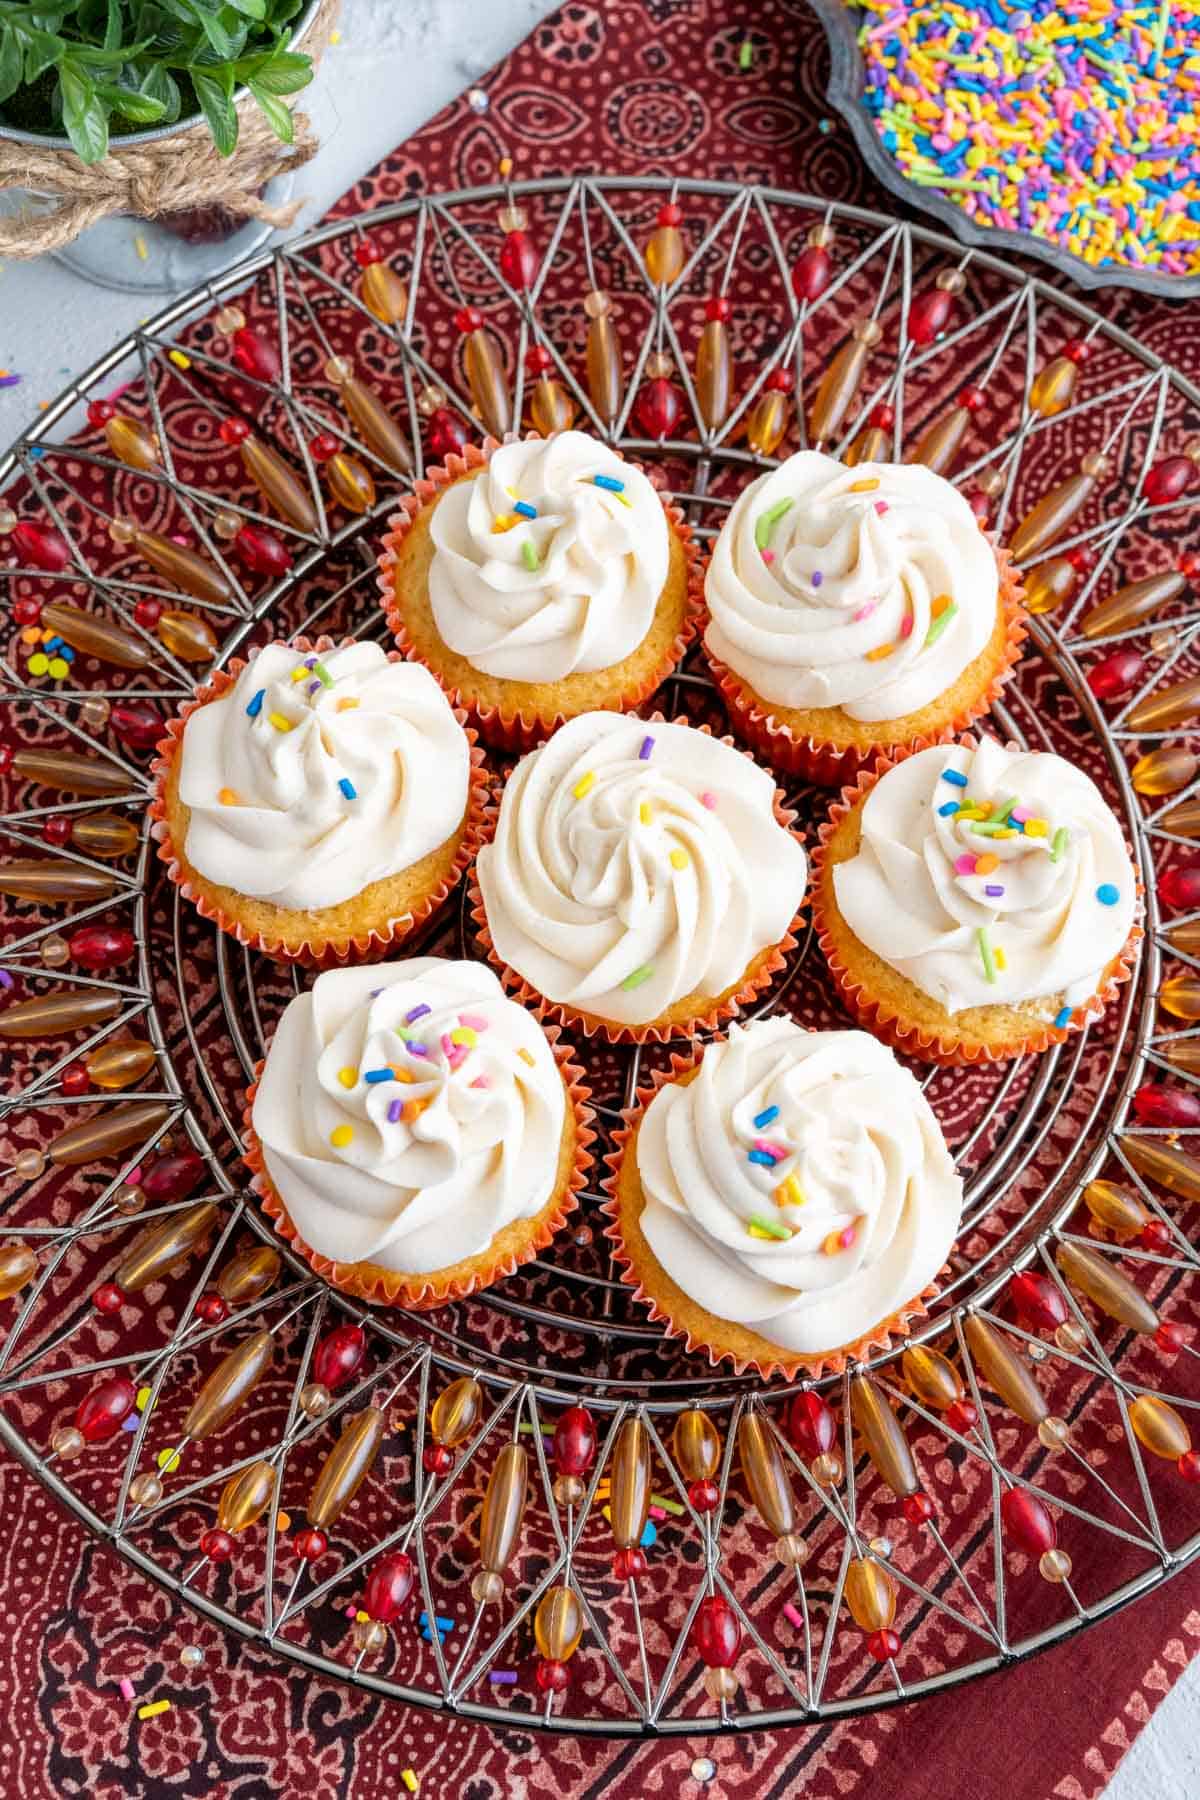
787, 1200
975, 901
540, 579
415, 1132
318, 801
853, 610
643, 878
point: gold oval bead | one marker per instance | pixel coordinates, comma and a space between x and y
503, 1508
1185, 938
1107, 1287
629, 1476
1048, 520
1049, 584
1176, 1170
883, 1436
714, 373
350, 482
106, 835
51, 1015
346, 1467
1005, 1371
485, 378
1159, 1428
1167, 708
375, 425
1114, 1208
131, 442
252, 1273
767, 422
551, 408
938, 446
277, 484
696, 1445
53, 878
766, 1474
163, 1244
246, 1497
1130, 604
931, 1377
456, 1412
838, 386
1183, 1055
119, 1064
664, 255
92, 635
870, 1595
1053, 388
1183, 820
558, 1624
182, 567
71, 774
383, 294
1164, 771
189, 638
18, 1265
105, 1132
606, 384
871, 445
231, 1382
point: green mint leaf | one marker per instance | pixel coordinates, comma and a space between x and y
131, 104
85, 117
217, 108
284, 73
159, 84
42, 51
10, 62
274, 112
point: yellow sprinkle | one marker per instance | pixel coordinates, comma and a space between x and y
179, 359
879, 652
503, 522
153, 1709
345, 705
998, 956
348, 1077
335, 37
756, 1231
584, 785
227, 797
789, 1193
361, 1617
463, 1034
141, 1397
59, 667
506, 165
410, 1781
625, 500
299, 673
279, 722
341, 1135
1036, 828
645, 813
525, 1057
168, 1461
939, 605
862, 487
679, 859
140, 245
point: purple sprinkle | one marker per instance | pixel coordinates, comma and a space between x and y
416, 1050
503, 1677
647, 747
816, 578
395, 1108
6, 980
993, 893
418, 1012
314, 687
310, 662
375, 993
10, 380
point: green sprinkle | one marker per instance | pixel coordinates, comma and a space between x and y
671, 1506
1061, 839
639, 975
999, 814
764, 525
940, 623
989, 827
746, 55
985, 951
529, 556
322, 674
768, 1227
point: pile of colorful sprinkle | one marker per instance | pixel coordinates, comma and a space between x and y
1077, 121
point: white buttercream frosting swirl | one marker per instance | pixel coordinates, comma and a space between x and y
799, 1185
990, 877
315, 775
408, 1112
635, 863
868, 588
570, 590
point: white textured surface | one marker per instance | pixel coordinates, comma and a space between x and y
395, 66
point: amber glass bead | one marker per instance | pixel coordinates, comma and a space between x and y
870, 445
1027, 1521
277, 484
129, 1201
71, 774
569, 1490
350, 482
251, 1274
1131, 604
716, 1634
315, 1400
487, 1588
558, 1624
246, 1497
67, 1443
1004, 1370
1185, 938
811, 1424
119, 1064
606, 385
189, 638
574, 1443
1183, 820
131, 442
882, 1436
92, 635
375, 425
870, 1594
1054, 1565
664, 255
1054, 511
1184, 1054
1053, 387
766, 1474
504, 1508
106, 835
767, 422
1107, 1287
629, 1474
53, 879
551, 407
182, 567
338, 1355
696, 1445
720, 1684
827, 1469
346, 1467
1169, 707
53, 1014
1159, 1427
383, 293
18, 1264
106, 1132
164, 1243
939, 444
1176, 1170
388, 1586
841, 382
487, 382
1050, 584
714, 373
456, 1412
230, 1385
145, 1490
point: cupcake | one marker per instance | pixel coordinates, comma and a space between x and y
853, 609
318, 802
538, 580
644, 879
786, 1200
975, 902
416, 1133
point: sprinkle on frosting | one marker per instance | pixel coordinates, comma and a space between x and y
279, 722
341, 1135
1062, 1018
984, 941
638, 977
768, 1228
255, 706
647, 747
348, 788
764, 528
949, 809
1061, 839
609, 482
709, 800
1108, 894
766, 1117
228, 797
679, 859
529, 555
348, 1077
584, 785
418, 1012
955, 777
940, 624
523, 509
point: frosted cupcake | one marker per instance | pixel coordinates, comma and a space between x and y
538, 580
318, 801
787, 1200
643, 879
416, 1133
975, 902
854, 609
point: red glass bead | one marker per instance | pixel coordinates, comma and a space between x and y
1188, 565
519, 260
388, 1586
468, 318
979, 504
136, 724
1116, 674
233, 431
1189, 1466
101, 947
658, 406
779, 381
574, 1445
99, 412
883, 416
719, 307
552, 1677
971, 398
811, 1425
6, 758
173, 1177
670, 214
75, 1079
39, 545
436, 1459
56, 830
929, 314
101, 1412
1077, 350
1154, 1236
256, 355
704, 1496
26, 610
324, 445
218, 1546
311, 1544
919, 1509
1038, 1301
1168, 479
962, 1417
108, 1299
1179, 886
1165, 1103
1170, 1335
629, 1564
338, 1355
212, 1309
811, 272
884, 1646
1027, 1521
147, 612
537, 359
716, 1634
447, 432
366, 253
1081, 559
261, 551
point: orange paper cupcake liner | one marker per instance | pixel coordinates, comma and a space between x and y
834, 765
365, 947
758, 976
777, 1361
519, 731
888, 1022
422, 1293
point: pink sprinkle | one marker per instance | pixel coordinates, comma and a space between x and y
964, 865
352, 1612
448, 1044
127, 1688
881, 507
779, 1151
1020, 814
656, 1512
906, 626
481, 1081
864, 612
847, 1237
473, 1021
768, 556
709, 800
792, 1616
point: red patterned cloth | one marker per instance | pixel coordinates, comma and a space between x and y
651, 86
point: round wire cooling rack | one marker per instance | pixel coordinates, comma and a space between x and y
1059, 1484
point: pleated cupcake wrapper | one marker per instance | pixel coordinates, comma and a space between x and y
887, 1022
589, 1024
365, 947
833, 765
422, 1293
828, 1362
521, 731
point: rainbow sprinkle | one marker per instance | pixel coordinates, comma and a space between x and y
764, 525
524, 510
638, 977
418, 1012
584, 785
767, 1228
1059, 842
983, 938
610, 482
1062, 1019
767, 1117
348, 788
279, 722
341, 1135
646, 749
255, 706
1107, 894
529, 556
940, 624
954, 778
395, 1111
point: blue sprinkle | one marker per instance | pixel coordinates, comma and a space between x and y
762, 1157
348, 788
67, 654
523, 508
54, 643
650, 1534
610, 482
36, 452
647, 747
255, 706
374, 1075
950, 807
1107, 894
442, 1623
767, 1117
954, 778
1062, 1019
418, 1012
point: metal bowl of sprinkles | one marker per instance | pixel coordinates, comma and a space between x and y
1112, 198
